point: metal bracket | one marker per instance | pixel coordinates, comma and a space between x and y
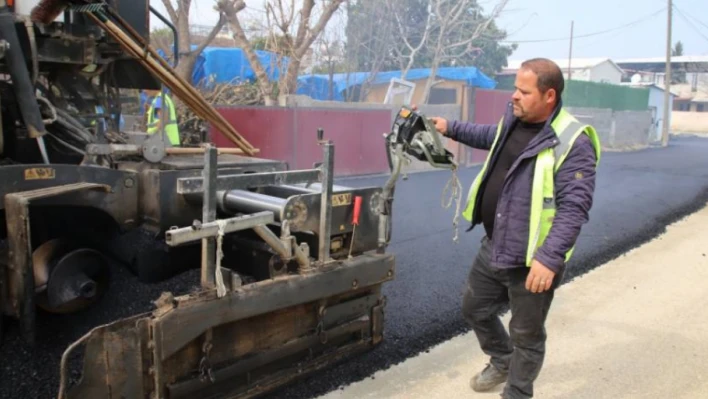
327, 179
320, 330
154, 148
20, 276
205, 364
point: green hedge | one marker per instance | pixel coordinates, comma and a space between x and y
579, 93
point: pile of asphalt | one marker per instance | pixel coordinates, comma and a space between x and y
33, 372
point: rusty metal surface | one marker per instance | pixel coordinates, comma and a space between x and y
224, 160
21, 282
121, 204
190, 234
256, 333
163, 206
191, 318
209, 174
227, 383
115, 362
325, 219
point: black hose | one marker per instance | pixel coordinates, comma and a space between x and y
174, 33
22, 83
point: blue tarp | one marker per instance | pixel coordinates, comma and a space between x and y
317, 86
230, 65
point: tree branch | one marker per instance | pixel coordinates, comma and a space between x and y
304, 24
170, 10
229, 9
215, 31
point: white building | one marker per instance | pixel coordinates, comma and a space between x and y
656, 104
602, 70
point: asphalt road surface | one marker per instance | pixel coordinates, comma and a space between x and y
623, 331
638, 194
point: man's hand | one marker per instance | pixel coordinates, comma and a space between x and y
440, 124
540, 278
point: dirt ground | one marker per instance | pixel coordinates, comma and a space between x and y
635, 327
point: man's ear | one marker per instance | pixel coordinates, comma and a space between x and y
551, 96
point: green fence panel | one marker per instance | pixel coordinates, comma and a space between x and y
604, 95
584, 94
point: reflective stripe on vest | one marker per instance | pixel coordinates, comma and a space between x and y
548, 161
171, 127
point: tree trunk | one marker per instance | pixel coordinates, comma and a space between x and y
186, 66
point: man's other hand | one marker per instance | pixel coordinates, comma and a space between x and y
540, 278
440, 124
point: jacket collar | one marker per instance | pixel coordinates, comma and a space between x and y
512, 119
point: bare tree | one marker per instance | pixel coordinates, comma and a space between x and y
371, 38
450, 38
295, 26
408, 34
179, 15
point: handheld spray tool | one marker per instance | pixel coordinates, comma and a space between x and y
414, 135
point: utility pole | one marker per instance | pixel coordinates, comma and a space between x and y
570, 52
667, 80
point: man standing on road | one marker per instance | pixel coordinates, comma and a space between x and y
532, 196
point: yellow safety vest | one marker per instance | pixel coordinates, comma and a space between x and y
548, 161
171, 127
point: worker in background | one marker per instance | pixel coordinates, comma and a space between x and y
155, 121
532, 196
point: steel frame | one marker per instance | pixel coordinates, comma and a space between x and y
328, 310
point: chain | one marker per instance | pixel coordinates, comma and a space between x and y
205, 364
319, 330
455, 187
219, 278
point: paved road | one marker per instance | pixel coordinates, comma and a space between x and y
622, 331
638, 194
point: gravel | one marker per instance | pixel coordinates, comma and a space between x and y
34, 372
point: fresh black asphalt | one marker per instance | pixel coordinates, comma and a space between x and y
638, 194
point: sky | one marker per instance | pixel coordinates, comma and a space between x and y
627, 28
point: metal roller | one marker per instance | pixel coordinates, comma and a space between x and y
241, 201
236, 201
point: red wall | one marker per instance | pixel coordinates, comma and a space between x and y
489, 107
290, 134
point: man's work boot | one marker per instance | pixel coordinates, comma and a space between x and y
487, 379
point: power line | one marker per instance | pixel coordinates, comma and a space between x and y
693, 17
627, 25
698, 20
682, 15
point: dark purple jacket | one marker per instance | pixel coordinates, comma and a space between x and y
574, 187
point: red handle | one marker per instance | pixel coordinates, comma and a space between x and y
357, 210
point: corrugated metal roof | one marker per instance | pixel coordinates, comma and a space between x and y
659, 60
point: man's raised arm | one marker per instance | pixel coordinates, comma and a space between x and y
471, 134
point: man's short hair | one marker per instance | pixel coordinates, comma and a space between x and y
549, 74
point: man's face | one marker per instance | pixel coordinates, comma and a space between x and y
530, 105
